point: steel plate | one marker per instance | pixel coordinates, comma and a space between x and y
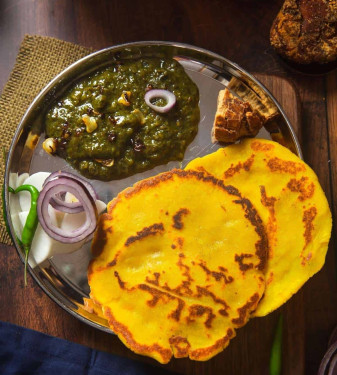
63, 277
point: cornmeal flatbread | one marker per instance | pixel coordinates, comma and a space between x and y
289, 199
172, 271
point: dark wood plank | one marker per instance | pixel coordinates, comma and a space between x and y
288, 97
320, 309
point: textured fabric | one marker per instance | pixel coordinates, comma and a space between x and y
23, 352
39, 60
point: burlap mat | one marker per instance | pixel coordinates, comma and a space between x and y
39, 60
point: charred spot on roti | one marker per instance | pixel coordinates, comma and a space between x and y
261, 146
154, 281
180, 242
268, 202
276, 164
243, 266
217, 275
246, 309
183, 289
145, 232
114, 260
233, 169
177, 218
262, 245
180, 346
158, 295
175, 314
120, 281
302, 186
271, 225
308, 222
202, 291
197, 311
220, 344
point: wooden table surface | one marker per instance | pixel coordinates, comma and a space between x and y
238, 30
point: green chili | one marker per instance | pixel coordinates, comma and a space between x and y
30, 224
275, 365
4, 215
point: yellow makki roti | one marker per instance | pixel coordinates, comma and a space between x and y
184, 258
178, 265
291, 203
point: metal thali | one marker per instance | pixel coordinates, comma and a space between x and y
63, 277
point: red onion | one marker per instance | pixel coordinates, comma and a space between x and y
79, 190
69, 207
333, 337
163, 94
76, 178
328, 364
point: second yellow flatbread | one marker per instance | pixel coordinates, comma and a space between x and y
291, 203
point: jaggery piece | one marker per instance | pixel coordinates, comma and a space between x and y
235, 119
304, 31
256, 97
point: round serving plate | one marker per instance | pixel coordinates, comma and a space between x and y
64, 277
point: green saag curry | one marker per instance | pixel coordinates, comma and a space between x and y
103, 127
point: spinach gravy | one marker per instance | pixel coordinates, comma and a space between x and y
103, 127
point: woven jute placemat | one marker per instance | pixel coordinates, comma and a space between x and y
39, 60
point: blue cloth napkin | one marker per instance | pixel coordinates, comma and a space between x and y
23, 352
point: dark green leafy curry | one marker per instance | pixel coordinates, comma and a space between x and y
104, 128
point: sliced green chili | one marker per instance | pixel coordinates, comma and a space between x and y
275, 365
31, 222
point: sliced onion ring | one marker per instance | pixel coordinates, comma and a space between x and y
164, 94
69, 207
58, 174
66, 207
58, 186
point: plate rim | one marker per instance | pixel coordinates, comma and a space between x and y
56, 80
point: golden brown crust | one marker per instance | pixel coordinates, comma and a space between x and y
246, 309
129, 340
304, 31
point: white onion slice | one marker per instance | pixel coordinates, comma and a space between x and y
163, 94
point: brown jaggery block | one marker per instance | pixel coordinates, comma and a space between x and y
255, 96
235, 119
305, 31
